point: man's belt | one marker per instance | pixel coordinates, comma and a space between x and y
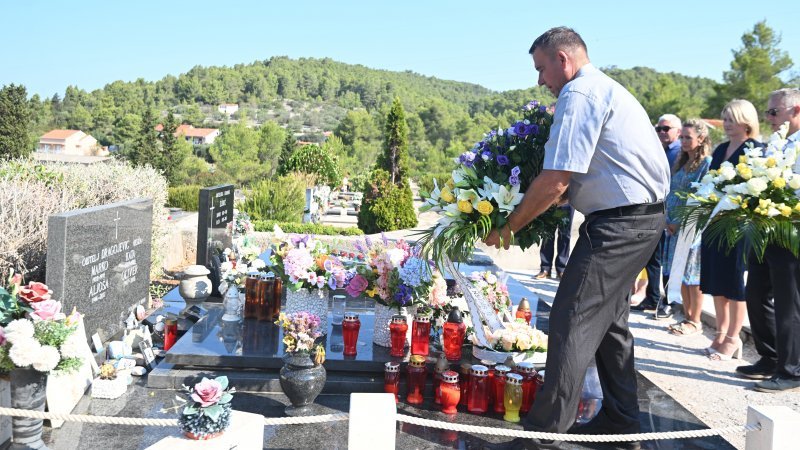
631, 210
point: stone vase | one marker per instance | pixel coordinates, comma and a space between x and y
383, 317
301, 381
314, 302
195, 286
28, 388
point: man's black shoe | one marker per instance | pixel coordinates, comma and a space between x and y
602, 425
663, 312
763, 369
646, 305
778, 383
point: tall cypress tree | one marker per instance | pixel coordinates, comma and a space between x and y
287, 150
172, 157
394, 158
146, 148
15, 117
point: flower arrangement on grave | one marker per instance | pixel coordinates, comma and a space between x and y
493, 289
304, 262
209, 413
240, 225
757, 200
396, 275
488, 182
34, 333
517, 336
234, 273
300, 331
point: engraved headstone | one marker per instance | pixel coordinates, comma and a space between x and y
98, 261
214, 213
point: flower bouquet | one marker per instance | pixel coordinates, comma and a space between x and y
757, 200
209, 414
495, 291
488, 183
300, 330
518, 338
34, 333
306, 263
240, 225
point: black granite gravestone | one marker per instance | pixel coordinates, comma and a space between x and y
215, 212
98, 261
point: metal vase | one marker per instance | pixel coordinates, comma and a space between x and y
28, 389
301, 381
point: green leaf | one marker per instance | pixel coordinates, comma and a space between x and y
226, 398
190, 410
223, 381
213, 412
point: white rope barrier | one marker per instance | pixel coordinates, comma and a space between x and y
576, 437
83, 418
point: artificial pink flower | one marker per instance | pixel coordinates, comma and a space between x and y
2, 336
207, 392
46, 310
357, 285
35, 292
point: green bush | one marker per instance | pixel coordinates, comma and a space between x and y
186, 198
306, 228
282, 199
426, 181
315, 159
386, 206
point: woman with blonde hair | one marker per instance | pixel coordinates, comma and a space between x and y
690, 166
722, 270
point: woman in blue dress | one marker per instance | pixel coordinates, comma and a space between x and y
690, 166
722, 271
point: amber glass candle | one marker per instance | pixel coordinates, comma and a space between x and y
251, 297
512, 397
421, 335
450, 392
391, 379
350, 327
275, 308
499, 387
267, 288
397, 335
416, 379
478, 397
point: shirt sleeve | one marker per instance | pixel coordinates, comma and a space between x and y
574, 134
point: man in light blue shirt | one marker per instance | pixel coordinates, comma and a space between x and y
604, 152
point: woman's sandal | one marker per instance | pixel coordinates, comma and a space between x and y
736, 353
686, 328
711, 350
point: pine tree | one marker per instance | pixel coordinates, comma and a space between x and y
146, 148
15, 117
287, 150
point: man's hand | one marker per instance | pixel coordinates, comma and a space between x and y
672, 229
494, 238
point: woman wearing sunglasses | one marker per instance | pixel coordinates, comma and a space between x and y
722, 271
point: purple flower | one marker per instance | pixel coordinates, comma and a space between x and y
502, 160
486, 155
543, 108
403, 294
514, 180
385, 240
332, 282
515, 171
368, 241
534, 129
469, 163
297, 240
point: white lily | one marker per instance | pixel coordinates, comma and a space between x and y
507, 199
469, 195
489, 188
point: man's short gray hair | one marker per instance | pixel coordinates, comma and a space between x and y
787, 96
559, 39
674, 120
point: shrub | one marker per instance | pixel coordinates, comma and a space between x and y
385, 206
426, 181
30, 192
306, 228
315, 159
185, 197
283, 199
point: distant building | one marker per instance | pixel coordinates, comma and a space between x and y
195, 136
70, 146
228, 108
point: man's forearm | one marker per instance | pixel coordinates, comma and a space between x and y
545, 190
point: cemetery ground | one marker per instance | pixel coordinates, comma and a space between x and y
679, 388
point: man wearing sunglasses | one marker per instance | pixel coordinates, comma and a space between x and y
775, 323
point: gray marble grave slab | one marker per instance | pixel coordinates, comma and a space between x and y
98, 261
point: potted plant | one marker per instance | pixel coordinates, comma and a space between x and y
302, 376
209, 413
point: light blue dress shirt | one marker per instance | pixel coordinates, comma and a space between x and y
603, 135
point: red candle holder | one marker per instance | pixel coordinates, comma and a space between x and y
453, 335
350, 327
465, 371
391, 379
416, 379
421, 335
499, 387
478, 397
170, 332
490, 382
528, 372
450, 392
397, 335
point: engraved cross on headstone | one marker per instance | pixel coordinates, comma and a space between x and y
116, 226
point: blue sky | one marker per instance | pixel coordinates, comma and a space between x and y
47, 45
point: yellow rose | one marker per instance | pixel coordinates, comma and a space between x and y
743, 159
797, 207
485, 207
744, 172
451, 184
465, 206
447, 195
771, 162
779, 183
785, 210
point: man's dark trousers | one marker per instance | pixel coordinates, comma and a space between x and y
546, 249
653, 269
784, 274
760, 307
589, 320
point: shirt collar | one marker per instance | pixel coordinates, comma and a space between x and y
795, 137
587, 69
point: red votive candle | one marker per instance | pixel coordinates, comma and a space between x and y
421, 335
350, 327
416, 379
524, 310
397, 334
170, 332
528, 373
450, 392
499, 387
391, 379
478, 400
454, 330
465, 370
